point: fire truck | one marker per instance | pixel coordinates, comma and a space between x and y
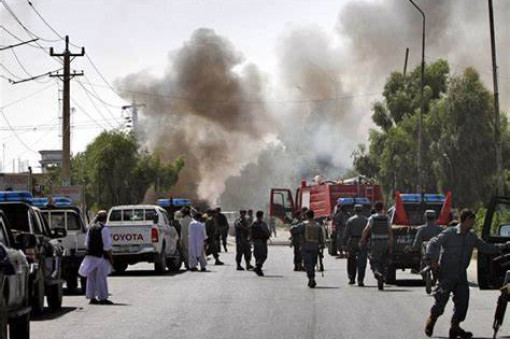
321, 196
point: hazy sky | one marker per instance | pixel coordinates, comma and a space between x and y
122, 37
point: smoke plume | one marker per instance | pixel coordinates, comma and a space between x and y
239, 141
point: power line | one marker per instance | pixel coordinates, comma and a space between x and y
86, 113
34, 77
45, 22
26, 97
15, 133
25, 70
8, 71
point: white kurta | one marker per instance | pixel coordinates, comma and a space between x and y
197, 236
96, 270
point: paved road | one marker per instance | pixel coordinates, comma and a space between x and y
224, 303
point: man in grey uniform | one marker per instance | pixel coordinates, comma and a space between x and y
378, 230
260, 234
312, 235
425, 233
453, 249
357, 260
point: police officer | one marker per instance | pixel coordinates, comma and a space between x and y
295, 242
378, 231
213, 237
339, 220
260, 234
313, 241
453, 249
243, 247
425, 233
357, 259
222, 226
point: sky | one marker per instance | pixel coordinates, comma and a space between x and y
122, 37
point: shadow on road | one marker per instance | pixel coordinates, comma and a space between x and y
51, 315
410, 283
272, 276
146, 273
327, 287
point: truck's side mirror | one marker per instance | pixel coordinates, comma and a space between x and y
59, 232
25, 240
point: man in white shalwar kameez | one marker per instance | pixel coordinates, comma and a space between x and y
197, 236
185, 221
97, 264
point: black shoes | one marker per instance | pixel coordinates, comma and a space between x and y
458, 333
249, 267
203, 269
194, 269
351, 282
312, 283
361, 284
429, 326
219, 263
258, 271
240, 268
105, 302
94, 301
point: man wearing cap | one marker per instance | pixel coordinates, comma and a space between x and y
453, 249
357, 260
213, 236
260, 234
378, 231
243, 247
425, 233
97, 264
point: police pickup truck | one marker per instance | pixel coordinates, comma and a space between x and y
142, 233
59, 212
14, 281
45, 257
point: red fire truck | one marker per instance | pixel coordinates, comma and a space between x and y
320, 196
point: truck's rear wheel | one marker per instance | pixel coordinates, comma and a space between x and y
54, 297
160, 262
37, 302
120, 267
3, 316
19, 328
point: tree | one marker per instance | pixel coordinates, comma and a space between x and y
458, 135
117, 172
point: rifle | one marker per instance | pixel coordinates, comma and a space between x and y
499, 315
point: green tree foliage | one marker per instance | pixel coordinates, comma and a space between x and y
458, 135
116, 171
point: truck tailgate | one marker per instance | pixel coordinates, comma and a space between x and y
130, 238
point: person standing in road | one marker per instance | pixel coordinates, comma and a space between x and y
223, 226
378, 231
213, 237
295, 242
98, 262
425, 233
357, 259
313, 241
453, 249
243, 247
197, 242
260, 234
184, 239
339, 220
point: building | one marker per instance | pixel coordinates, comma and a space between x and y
50, 159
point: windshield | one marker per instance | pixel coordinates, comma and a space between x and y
17, 216
66, 219
416, 213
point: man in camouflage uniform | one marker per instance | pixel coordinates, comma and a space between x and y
378, 231
313, 238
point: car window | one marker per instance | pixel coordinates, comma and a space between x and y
116, 215
150, 214
58, 219
137, 215
40, 224
17, 216
500, 225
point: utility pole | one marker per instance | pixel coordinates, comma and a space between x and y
66, 77
134, 113
499, 157
422, 104
406, 60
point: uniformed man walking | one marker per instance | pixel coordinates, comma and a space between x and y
313, 238
339, 220
425, 233
295, 242
357, 259
243, 247
453, 249
213, 237
260, 234
378, 231
222, 226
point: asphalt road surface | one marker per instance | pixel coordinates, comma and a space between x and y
225, 303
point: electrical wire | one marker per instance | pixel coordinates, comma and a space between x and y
15, 133
8, 71
86, 113
96, 108
25, 70
26, 97
43, 20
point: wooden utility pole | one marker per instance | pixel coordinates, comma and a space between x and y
497, 137
66, 77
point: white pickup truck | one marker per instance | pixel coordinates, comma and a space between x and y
142, 233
